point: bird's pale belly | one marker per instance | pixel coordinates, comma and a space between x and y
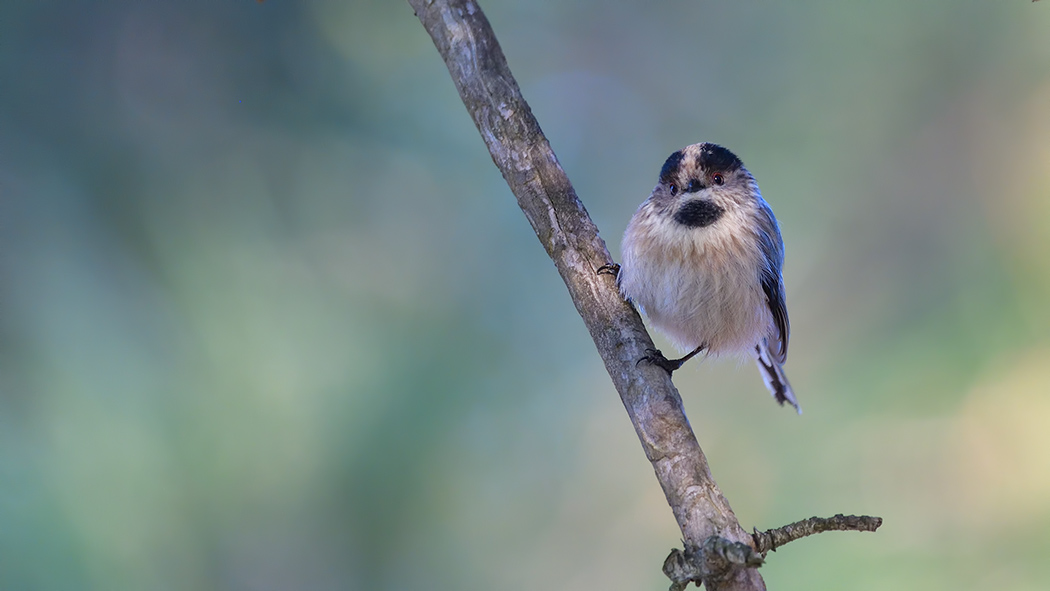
720, 306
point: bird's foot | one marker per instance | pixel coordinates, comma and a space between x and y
613, 269
655, 357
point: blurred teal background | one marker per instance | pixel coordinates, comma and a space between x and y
271, 319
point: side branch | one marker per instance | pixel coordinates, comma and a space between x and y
775, 538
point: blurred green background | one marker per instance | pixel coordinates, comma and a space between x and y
271, 319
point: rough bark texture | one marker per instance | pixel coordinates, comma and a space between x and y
521, 152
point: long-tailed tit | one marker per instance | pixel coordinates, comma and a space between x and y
702, 257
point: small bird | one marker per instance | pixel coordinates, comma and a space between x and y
702, 258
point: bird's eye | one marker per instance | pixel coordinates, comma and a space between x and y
693, 186
718, 179
674, 189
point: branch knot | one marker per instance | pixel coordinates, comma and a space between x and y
714, 560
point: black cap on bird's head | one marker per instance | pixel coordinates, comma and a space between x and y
700, 159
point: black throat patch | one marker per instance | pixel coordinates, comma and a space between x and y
698, 213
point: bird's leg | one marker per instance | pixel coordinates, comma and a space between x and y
655, 357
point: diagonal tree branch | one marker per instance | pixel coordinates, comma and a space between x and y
521, 152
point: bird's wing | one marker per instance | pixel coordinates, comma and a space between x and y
774, 288
773, 281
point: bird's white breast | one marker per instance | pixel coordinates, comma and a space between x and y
699, 286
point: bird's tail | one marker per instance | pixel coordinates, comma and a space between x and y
773, 376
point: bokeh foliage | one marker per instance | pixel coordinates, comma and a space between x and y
270, 318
